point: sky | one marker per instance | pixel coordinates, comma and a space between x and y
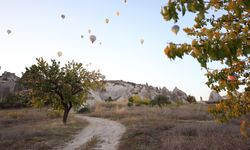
39, 31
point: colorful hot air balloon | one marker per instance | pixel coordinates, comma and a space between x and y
107, 20
117, 13
92, 38
59, 53
9, 31
142, 41
175, 29
63, 16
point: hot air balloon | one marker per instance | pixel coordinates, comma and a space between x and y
89, 31
125, 1
9, 31
175, 29
117, 13
59, 53
100, 43
107, 20
142, 41
92, 38
63, 16
82, 36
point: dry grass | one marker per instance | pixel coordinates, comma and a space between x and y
172, 128
33, 129
91, 144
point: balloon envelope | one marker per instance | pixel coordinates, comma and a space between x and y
117, 13
92, 38
107, 20
142, 41
89, 31
59, 53
63, 16
8, 31
175, 29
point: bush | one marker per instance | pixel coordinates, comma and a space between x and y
137, 101
15, 101
85, 108
109, 99
191, 99
160, 100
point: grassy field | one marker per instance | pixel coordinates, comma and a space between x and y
35, 129
187, 127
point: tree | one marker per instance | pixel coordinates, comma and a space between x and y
218, 37
160, 100
191, 99
61, 87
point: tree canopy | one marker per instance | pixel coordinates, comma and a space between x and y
220, 34
61, 87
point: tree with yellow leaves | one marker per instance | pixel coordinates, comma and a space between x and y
218, 37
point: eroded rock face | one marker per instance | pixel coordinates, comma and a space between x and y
178, 95
121, 90
8, 84
214, 97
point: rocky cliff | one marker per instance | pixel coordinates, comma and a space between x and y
115, 89
8, 84
121, 90
214, 97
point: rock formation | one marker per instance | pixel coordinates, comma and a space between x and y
8, 84
114, 89
121, 90
214, 97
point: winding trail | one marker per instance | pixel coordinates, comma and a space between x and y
108, 131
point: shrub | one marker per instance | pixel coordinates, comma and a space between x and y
145, 101
130, 104
160, 100
179, 102
15, 101
85, 108
191, 99
137, 101
109, 99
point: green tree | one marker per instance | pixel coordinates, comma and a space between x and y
160, 100
61, 87
218, 37
191, 99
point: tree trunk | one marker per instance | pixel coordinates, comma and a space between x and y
65, 114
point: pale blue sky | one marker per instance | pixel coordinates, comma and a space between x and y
39, 31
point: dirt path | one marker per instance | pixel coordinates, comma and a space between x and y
109, 132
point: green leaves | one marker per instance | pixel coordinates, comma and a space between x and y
60, 85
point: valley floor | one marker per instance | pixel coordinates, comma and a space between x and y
186, 127
36, 129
